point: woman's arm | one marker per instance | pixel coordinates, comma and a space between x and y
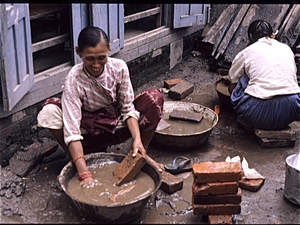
134, 129
76, 152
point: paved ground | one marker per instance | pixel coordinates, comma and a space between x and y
39, 198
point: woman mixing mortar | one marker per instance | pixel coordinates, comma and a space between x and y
98, 107
264, 89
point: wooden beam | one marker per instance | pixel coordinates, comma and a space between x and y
291, 31
142, 14
234, 26
214, 32
282, 27
268, 12
50, 42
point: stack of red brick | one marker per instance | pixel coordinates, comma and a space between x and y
216, 189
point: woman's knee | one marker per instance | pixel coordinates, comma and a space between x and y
50, 117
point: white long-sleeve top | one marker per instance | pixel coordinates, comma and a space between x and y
270, 66
80, 92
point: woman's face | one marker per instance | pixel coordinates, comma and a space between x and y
94, 58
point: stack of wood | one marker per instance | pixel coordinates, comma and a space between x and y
216, 192
228, 35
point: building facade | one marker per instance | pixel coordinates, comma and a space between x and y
37, 43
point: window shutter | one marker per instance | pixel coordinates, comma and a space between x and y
80, 20
17, 74
110, 18
186, 15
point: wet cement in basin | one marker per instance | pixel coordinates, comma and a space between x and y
178, 127
105, 192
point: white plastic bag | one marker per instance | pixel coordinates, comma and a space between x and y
248, 173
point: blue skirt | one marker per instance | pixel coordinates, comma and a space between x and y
266, 114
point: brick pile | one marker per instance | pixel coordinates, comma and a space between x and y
276, 138
215, 191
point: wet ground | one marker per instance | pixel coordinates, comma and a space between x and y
40, 199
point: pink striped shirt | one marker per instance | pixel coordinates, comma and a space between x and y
80, 92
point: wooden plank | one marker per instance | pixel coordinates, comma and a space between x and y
142, 14
234, 26
291, 31
219, 25
268, 12
287, 18
50, 42
40, 10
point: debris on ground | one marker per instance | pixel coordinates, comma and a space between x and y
28, 157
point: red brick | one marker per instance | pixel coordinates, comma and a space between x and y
172, 82
170, 183
186, 115
216, 209
251, 184
284, 134
216, 188
220, 219
128, 168
219, 199
208, 172
181, 90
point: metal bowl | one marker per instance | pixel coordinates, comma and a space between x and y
224, 97
186, 141
292, 178
122, 213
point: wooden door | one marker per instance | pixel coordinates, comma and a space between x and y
17, 75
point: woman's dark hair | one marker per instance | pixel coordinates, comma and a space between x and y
259, 29
91, 36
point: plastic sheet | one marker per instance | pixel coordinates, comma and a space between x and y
249, 173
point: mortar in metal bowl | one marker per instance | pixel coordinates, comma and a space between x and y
187, 139
121, 213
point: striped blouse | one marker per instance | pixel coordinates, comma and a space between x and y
83, 92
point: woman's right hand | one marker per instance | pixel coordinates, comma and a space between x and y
78, 159
88, 182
